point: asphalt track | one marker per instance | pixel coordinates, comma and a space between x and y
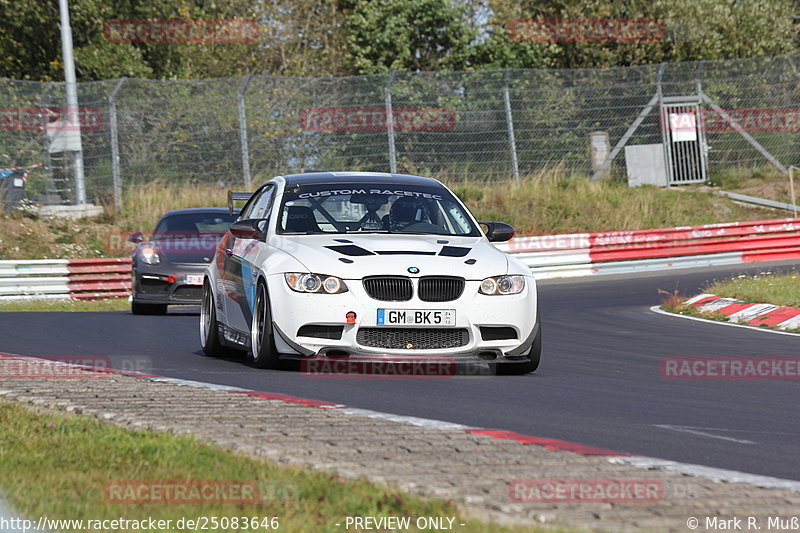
599, 383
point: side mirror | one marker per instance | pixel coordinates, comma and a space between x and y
498, 231
250, 228
136, 237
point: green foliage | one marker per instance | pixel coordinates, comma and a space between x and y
693, 29
335, 37
415, 35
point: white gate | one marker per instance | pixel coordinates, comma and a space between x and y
684, 140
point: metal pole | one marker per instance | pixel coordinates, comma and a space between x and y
510, 124
112, 117
390, 123
243, 133
791, 189
72, 99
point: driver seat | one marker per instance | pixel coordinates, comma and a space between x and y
301, 219
403, 213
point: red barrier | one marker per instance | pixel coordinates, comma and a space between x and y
99, 278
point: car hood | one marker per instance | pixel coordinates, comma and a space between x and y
356, 256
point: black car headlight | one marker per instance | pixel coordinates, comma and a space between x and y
150, 255
315, 283
502, 285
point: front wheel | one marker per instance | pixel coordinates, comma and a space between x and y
209, 331
264, 354
516, 369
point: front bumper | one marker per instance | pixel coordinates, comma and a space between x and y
496, 329
173, 284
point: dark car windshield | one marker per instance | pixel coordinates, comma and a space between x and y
186, 225
372, 208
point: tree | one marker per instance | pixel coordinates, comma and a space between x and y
415, 35
691, 29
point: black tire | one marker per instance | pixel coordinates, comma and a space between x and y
209, 332
262, 340
517, 369
148, 309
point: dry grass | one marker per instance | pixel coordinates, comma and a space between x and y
777, 289
552, 202
765, 182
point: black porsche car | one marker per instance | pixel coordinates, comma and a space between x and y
168, 268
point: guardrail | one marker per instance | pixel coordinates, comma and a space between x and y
548, 256
62, 278
617, 252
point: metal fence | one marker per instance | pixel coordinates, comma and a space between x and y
489, 125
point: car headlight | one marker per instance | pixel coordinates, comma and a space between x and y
315, 283
502, 285
150, 255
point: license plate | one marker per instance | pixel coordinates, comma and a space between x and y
416, 317
194, 279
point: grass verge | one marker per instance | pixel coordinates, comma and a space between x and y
546, 203
780, 288
58, 466
112, 304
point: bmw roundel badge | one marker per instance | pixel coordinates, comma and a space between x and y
413, 270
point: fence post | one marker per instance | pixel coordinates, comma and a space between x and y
390, 123
243, 132
510, 125
112, 118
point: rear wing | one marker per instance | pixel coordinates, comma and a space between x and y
237, 197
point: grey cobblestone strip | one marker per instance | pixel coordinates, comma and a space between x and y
470, 469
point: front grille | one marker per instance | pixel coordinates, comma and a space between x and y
190, 293
413, 338
440, 288
153, 286
388, 288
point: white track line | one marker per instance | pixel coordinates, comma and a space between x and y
696, 431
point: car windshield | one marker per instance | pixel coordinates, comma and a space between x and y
186, 225
373, 208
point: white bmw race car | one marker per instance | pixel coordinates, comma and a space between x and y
340, 264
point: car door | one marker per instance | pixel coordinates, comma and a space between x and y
238, 271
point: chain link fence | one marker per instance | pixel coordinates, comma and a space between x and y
490, 125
